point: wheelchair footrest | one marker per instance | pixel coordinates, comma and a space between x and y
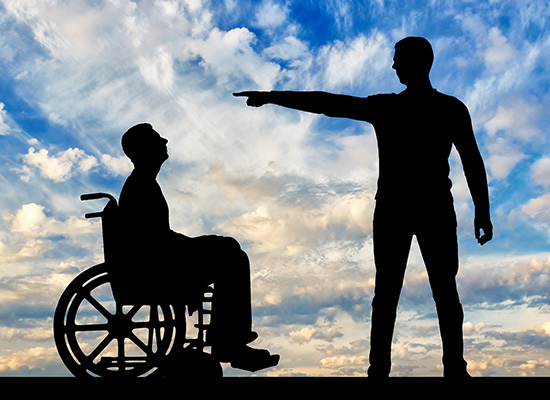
115, 361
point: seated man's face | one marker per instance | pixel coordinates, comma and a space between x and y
153, 149
159, 145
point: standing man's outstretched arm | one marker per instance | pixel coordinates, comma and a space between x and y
329, 104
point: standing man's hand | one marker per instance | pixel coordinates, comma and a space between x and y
255, 99
483, 224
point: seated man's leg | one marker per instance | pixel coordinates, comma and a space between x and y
221, 261
227, 266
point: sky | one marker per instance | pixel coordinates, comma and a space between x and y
295, 189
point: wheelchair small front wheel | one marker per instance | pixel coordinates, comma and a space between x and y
96, 336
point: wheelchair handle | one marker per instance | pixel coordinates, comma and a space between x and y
95, 196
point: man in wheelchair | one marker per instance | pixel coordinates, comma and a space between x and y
171, 265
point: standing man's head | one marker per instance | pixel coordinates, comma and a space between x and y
144, 146
412, 60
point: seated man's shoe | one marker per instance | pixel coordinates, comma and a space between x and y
253, 360
246, 358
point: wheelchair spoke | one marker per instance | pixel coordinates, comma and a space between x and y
131, 314
98, 306
90, 327
137, 341
100, 347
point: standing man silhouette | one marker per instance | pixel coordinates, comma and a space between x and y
415, 132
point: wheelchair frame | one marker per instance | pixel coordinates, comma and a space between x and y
131, 338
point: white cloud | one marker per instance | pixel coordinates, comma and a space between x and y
59, 167
302, 336
31, 221
503, 283
293, 229
157, 70
304, 204
117, 165
4, 126
503, 157
518, 120
229, 55
541, 171
544, 329
355, 61
470, 328
271, 14
36, 358
499, 53
343, 361
293, 50
31, 232
537, 212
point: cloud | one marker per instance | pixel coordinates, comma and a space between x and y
343, 361
158, 70
503, 157
295, 228
499, 53
32, 233
506, 283
58, 167
271, 14
355, 61
36, 358
537, 213
4, 127
66, 164
295, 189
541, 171
229, 56
518, 120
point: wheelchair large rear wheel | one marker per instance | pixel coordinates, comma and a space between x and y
96, 336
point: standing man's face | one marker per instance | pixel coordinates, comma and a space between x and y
408, 68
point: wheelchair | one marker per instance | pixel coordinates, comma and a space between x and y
102, 328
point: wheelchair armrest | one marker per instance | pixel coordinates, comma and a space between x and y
93, 215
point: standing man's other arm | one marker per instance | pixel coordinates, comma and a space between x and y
476, 176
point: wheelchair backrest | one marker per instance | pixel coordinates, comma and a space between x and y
109, 223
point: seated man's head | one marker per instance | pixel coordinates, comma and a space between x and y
413, 59
144, 146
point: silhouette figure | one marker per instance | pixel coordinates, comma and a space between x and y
415, 132
178, 267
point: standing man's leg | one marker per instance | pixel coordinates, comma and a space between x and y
392, 242
438, 245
